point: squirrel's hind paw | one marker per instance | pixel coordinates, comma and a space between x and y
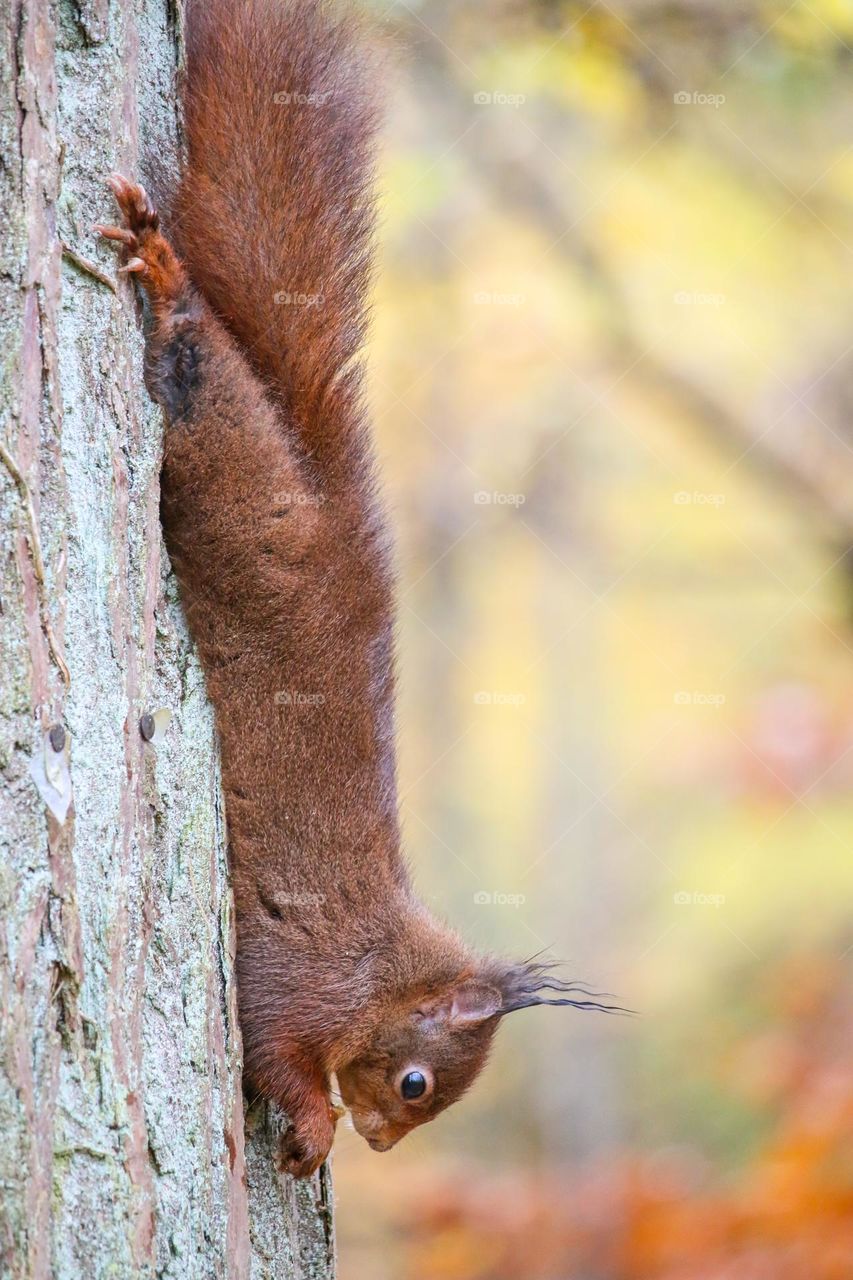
149, 254
132, 198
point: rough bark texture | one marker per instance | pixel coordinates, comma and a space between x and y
124, 1151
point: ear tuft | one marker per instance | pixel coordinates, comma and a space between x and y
522, 986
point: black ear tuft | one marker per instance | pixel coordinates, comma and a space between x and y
522, 984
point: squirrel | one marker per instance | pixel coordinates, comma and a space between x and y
257, 289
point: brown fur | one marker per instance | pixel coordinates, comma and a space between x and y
276, 537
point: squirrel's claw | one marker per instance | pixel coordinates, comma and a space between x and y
146, 252
121, 234
132, 199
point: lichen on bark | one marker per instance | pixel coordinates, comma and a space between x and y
124, 1148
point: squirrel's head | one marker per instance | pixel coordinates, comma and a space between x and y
430, 1049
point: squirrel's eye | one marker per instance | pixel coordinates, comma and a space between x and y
415, 1082
413, 1085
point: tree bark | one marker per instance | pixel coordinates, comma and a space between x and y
124, 1151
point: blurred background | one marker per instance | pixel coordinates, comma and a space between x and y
612, 375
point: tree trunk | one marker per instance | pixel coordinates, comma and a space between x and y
124, 1151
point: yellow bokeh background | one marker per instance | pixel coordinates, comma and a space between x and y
612, 378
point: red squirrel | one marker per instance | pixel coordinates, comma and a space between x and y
257, 289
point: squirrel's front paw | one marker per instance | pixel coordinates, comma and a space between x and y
303, 1148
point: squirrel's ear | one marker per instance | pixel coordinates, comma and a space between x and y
463, 1006
474, 1002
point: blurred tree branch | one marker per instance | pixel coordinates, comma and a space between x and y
813, 468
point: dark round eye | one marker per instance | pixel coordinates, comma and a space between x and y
415, 1082
413, 1085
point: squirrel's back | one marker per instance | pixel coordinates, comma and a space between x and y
274, 211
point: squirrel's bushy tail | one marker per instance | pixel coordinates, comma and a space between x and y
274, 212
